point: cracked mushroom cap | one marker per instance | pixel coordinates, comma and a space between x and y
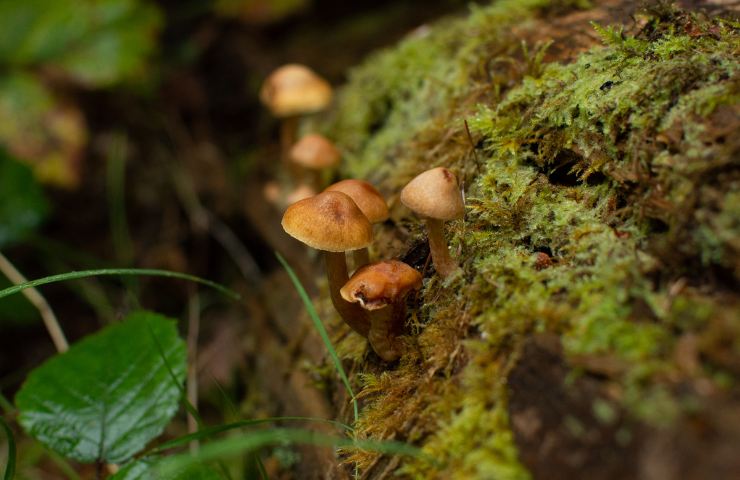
329, 221
315, 152
434, 194
367, 197
381, 283
294, 89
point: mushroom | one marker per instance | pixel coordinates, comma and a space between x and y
300, 193
332, 222
372, 204
435, 195
271, 192
289, 92
381, 288
315, 152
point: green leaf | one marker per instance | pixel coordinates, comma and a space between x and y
110, 394
143, 470
96, 42
41, 130
22, 203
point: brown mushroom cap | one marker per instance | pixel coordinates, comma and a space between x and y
315, 152
367, 197
294, 89
378, 284
329, 221
434, 194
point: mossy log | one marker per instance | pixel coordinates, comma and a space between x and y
594, 330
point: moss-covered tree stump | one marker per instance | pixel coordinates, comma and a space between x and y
594, 331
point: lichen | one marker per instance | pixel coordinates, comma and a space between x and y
619, 164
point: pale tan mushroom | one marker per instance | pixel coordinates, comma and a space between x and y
315, 153
435, 195
301, 192
289, 92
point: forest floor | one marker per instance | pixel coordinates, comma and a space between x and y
593, 330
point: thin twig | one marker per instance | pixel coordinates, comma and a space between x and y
470, 140
38, 301
192, 384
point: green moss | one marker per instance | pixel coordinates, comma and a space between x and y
398, 93
620, 164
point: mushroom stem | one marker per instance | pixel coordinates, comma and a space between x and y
351, 313
360, 258
288, 130
443, 262
385, 325
314, 179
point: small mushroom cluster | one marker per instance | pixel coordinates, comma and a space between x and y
340, 219
291, 92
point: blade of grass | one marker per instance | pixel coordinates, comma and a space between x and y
322, 331
261, 467
230, 407
116, 190
191, 380
63, 465
191, 409
252, 441
115, 185
55, 256
10, 467
89, 290
117, 272
210, 431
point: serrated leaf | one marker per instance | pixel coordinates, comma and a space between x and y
97, 42
110, 394
144, 470
22, 203
40, 130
